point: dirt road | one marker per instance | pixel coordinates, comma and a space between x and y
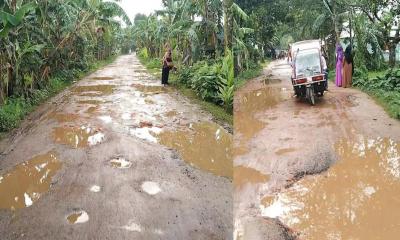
117, 156
331, 171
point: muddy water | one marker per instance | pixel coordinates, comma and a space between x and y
358, 198
99, 90
206, 146
27, 182
62, 118
249, 104
244, 175
151, 89
78, 217
77, 137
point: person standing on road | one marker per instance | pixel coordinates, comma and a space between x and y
347, 68
167, 66
325, 69
339, 65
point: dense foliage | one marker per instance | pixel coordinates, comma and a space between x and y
45, 43
199, 33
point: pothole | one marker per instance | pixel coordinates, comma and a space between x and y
151, 188
26, 183
78, 137
78, 217
120, 162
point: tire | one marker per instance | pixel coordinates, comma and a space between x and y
310, 95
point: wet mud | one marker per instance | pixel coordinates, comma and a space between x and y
77, 137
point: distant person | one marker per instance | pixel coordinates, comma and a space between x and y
289, 55
339, 65
348, 68
167, 66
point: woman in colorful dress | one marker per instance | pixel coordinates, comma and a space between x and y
339, 65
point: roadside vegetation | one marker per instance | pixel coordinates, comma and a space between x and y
200, 35
45, 45
369, 26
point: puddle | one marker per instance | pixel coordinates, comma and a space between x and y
77, 137
146, 133
78, 217
357, 198
26, 182
92, 102
171, 114
102, 78
207, 146
149, 101
284, 151
94, 89
95, 188
246, 123
244, 175
151, 89
120, 162
151, 188
62, 118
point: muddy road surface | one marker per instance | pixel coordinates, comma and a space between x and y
117, 156
329, 171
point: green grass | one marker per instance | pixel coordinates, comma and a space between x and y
15, 109
218, 112
375, 74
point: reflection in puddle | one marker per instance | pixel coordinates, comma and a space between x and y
94, 89
358, 198
132, 227
151, 188
207, 146
120, 162
95, 188
106, 119
244, 175
78, 217
146, 133
248, 105
77, 137
25, 184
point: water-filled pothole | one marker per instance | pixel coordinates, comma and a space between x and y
206, 146
26, 182
151, 188
78, 137
78, 217
120, 162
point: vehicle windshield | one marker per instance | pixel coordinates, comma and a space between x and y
308, 63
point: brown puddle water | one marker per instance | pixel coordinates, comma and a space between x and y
61, 117
249, 104
102, 78
149, 89
94, 89
357, 198
26, 182
207, 147
78, 217
244, 175
77, 137
284, 151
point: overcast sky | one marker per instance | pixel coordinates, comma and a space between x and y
132, 7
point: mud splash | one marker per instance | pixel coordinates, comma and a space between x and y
207, 146
247, 105
77, 137
78, 217
27, 182
357, 198
244, 175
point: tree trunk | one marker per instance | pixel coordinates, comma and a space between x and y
228, 28
392, 54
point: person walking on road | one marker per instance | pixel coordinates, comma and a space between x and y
167, 66
339, 65
348, 68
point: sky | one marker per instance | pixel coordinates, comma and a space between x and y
132, 7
